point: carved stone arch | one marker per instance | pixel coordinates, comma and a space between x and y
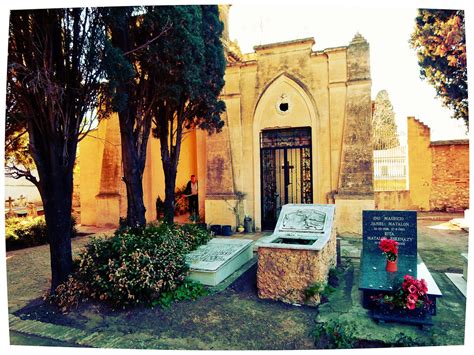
302, 113
289, 77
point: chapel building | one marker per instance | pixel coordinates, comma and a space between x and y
297, 130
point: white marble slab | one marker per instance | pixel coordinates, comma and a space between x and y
301, 222
465, 266
459, 282
219, 258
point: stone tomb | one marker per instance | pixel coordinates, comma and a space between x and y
219, 258
374, 279
298, 254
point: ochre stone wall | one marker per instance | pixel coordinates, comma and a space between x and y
102, 193
438, 174
450, 183
419, 164
393, 200
285, 274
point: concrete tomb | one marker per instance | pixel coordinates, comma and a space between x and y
219, 258
298, 254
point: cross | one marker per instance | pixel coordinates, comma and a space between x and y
287, 167
10, 203
22, 200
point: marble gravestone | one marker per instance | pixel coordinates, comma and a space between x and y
219, 258
298, 254
374, 279
397, 225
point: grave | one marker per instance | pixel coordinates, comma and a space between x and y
10, 213
400, 226
219, 258
298, 254
460, 280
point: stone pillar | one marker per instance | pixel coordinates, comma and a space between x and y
355, 191
108, 199
220, 192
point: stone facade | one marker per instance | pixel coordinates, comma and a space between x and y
450, 182
285, 274
327, 91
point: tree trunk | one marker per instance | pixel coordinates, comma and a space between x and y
133, 173
170, 185
57, 201
170, 158
56, 186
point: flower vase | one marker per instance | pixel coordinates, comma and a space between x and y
391, 266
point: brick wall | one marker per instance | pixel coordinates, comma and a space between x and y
450, 181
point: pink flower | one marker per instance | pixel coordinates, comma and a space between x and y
412, 289
411, 306
422, 287
412, 298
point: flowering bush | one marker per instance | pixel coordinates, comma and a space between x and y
135, 266
24, 232
390, 248
412, 294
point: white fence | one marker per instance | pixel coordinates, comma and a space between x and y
391, 169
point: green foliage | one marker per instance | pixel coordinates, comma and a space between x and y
314, 289
439, 40
324, 289
403, 340
335, 335
187, 69
28, 232
188, 291
135, 266
384, 128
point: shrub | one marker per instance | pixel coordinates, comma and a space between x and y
335, 334
28, 232
188, 291
136, 266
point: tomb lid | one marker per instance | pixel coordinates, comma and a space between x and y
216, 253
301, 222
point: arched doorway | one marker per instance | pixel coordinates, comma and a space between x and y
285, 114
286, 170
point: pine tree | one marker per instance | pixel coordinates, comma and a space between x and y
384, 128
54, 78
190, 65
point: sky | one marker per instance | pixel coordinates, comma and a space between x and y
394, 65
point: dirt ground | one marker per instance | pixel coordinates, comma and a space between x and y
234, 318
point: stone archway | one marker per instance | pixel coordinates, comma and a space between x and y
285, 103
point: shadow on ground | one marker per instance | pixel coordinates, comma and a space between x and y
237, 319
232, 319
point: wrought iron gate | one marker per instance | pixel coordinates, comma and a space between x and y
286, 171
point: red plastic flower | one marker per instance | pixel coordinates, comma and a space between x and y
412, 294
389, 247
422, 287
412, 289
412, 298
